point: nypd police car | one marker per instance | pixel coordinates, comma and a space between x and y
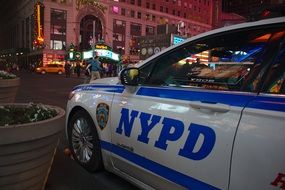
208, 113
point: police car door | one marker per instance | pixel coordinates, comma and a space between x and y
179, 125
258, 156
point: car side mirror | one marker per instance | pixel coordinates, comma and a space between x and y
130, 76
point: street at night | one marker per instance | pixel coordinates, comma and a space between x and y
141, 94
65, 173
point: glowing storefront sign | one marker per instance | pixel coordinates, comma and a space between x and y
101, 47
101, 53
177, 39
71, 55
87, 54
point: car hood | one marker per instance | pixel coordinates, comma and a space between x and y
108, 80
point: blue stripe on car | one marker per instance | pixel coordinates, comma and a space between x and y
163, 171
268, 103
208, 97
107, 88
229, 98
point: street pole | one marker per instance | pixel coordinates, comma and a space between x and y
93, 40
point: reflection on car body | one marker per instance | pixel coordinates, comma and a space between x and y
162, 126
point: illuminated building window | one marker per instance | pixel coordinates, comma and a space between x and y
118, 37
149, 30
115, 9
58, 29
153, 17
119, 23
57, 45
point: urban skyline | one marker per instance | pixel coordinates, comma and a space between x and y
118, 24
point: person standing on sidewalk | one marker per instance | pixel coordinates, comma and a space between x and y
95, 68
77, 69
87, 73
67, 68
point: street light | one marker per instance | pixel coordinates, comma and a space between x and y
93, 45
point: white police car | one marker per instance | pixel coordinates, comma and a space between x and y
174, 124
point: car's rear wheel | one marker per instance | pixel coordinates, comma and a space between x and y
43, 72
84, 141
59, 72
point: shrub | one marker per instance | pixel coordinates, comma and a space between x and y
12, 115
6, 75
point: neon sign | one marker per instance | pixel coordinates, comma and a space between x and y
101, 53
38, 27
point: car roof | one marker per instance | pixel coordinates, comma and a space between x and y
219, 30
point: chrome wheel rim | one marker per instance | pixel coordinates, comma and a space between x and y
82, 140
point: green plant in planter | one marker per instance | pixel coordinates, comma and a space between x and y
6, 75
29, 136
12, 115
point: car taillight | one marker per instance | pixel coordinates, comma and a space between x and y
70, 95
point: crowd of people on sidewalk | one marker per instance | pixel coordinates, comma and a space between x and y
92, 69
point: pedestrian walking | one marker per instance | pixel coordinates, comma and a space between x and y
67, 68
96, 68
77, 69
87, 73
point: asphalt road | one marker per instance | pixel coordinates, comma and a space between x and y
65, 174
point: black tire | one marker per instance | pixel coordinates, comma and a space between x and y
84, 142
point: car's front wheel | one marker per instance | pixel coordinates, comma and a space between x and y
84, 141
43, 72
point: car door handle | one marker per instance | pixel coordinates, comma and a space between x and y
210, 106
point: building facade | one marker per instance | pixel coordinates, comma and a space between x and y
77, 22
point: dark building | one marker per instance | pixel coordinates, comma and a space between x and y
249, 8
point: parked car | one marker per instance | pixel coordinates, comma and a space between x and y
178, 122
51, 68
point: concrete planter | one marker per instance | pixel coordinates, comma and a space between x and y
8, 89
27, 151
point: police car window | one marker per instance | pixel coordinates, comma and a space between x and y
218, 62
275, 80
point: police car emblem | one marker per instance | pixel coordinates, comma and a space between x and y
102, 115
